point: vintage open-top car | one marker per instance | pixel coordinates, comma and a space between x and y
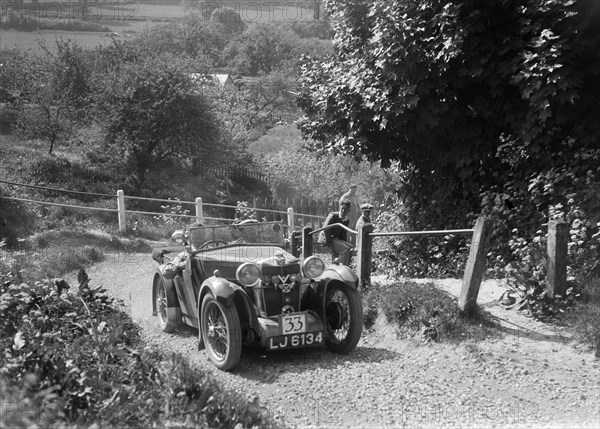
238, 285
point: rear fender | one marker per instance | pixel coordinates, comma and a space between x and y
172, 300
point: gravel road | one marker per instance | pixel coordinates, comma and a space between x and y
525, 375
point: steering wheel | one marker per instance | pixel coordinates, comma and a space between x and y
212, 243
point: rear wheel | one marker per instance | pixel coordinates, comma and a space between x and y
343, 318
222, 333
169, 318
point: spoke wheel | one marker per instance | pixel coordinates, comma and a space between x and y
221, 332
343, 318
168, 318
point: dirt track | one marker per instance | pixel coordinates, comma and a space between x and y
526, 375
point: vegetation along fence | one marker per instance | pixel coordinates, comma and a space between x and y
474, 270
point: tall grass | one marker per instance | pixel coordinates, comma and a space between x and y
423, 311
584, 318
52, 253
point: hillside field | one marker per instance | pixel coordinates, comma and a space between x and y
129, 18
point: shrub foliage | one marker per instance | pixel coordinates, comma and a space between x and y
422, 310
78, 359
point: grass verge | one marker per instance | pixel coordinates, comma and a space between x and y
422, 310
584, 316
78, 361
52, 253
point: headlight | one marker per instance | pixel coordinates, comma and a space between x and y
313, 267
248, 274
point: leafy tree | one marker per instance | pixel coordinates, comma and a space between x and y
44, 120
215, 12
159, 118
52, 91
261, 49
250, 106
442, 86
12, 79
313, 28
194, 37
230, 19
489, 106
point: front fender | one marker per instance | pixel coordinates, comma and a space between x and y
222, 289
229, 293
341, 273
338, 274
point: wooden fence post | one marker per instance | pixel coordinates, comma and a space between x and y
364, 255
199, 211
557, 248
121, 209
475, 268
290, 219
306, 242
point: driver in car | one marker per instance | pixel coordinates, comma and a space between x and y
174, 267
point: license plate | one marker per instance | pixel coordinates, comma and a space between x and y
296, 340
294, 323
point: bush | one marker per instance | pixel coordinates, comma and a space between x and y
521, 208
282, 150
584, 317
422, 310
526, 279
79, 360
418, 257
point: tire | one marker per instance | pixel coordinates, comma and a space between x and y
222, 333
343, 318
169, 318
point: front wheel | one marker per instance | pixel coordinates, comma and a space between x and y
222, 333
343, 318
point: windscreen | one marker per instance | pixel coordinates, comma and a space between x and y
242, 233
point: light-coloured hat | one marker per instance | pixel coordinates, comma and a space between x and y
366, 206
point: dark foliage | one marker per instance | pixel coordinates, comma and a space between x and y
79, 360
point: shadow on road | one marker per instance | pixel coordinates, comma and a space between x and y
528, 329
266, 367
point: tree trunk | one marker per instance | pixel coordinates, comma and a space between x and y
52, 139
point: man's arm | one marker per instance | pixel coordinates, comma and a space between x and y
177, 264
329, 232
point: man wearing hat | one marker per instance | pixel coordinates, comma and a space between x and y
365, 216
